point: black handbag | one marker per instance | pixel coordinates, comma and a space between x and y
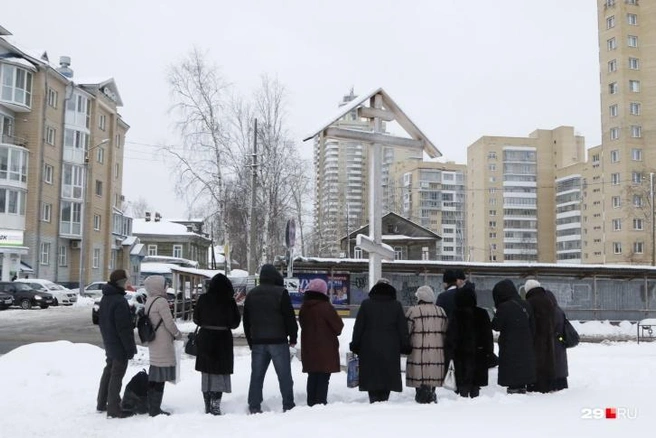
190, 346
570, 337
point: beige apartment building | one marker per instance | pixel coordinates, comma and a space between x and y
619, 210
61, 164
511, 199
434, 195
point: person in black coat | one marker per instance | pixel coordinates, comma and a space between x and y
469, 341
446, 299
117, 330
380, 336
560, 352
216, 313
514, 322
543, 337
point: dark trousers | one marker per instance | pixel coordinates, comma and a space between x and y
378, 396
261, 356
317, 388
109, 392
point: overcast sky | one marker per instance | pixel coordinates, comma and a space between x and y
460, 69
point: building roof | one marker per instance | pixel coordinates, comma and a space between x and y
388, 103
4, 31
161, 228
105, 86
405, 232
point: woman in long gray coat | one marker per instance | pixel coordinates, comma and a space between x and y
160, 350
425, 366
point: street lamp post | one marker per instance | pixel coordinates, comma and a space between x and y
83, 215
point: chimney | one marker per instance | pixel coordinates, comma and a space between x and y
147, 216
158, 217
64, 69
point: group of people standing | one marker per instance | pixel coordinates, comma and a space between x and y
432, 333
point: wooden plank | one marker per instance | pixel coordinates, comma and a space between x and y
371, 137
370, 113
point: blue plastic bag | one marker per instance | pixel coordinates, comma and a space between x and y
352, 370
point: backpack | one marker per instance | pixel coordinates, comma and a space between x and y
145, 327
135, 397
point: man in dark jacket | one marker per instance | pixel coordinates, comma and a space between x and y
116, 328
447, 299
270, 328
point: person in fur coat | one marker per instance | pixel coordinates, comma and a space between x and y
425, 366
560, 352
544, 337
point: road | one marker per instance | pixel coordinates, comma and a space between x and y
73, 323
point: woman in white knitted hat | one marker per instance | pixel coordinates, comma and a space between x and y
427, 327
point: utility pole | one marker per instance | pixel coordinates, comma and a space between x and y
252, 241
653, 224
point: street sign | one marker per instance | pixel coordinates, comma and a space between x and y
290, 233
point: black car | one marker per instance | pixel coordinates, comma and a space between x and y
25, 296
6, 300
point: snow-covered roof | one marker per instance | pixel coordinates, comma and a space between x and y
157, 268
391, 237
138, 249
161, 228
129, 241
22, 62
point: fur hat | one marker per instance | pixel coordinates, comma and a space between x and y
460, 274
531, 284
425, 294
450, 276
118, 277
317, 285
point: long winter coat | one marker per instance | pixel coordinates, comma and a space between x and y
514, 322
160, 349
320, 327
543, 338
217, 315
447, 300
380, 335
427, 327
560, 352
116, 324
469, 339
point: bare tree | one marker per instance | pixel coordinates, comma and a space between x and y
139, 207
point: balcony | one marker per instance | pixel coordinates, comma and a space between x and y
13, 140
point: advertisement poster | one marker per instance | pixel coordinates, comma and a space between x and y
338, 288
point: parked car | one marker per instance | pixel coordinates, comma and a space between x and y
136, 301
6, 300
25, 296
62, 295
93, 290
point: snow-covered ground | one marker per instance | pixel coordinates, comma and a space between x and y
49, 389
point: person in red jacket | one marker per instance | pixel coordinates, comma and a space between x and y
320, 327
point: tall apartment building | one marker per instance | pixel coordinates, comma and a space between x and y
434, 195
618, 217
511, 202
342, 183
61, 160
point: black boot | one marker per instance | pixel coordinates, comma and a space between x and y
155, 396
215, 403
206, 399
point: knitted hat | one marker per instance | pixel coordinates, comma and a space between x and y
317, 285
531, 284
425, 294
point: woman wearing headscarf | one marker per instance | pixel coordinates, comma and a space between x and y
380, 336
320, 327
161, 350
216, 314
425, 366
469, 341
561, 371
514, 322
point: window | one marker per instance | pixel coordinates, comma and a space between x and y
493, 224
13, 164
632, 41
152, 250
117, 170
631, 2
177, 251
51, 135
636, 154
636, 177
44, 253
617, 247
610, 3
617, 224
493, 212
634, 86
611, 44
493, 235
48, 171
610, 22
612, 110
634, 108
16, 85
96, 258
357, 252
634, 63
614, 133
72, 181
636, 131
613, 88
615, 179
617, 202
118, 141
612, 66
102, 122
492, 167
638, 247
46, 212
63, 255
637, 201
99, 188
632, 19
100, 155
614, 156
96, 222
52, 98
638, 224
71, 218
491, 155
12, 201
